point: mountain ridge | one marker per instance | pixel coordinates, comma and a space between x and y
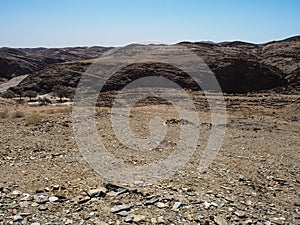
240, 67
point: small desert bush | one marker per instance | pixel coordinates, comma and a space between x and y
66, 109
4, 114
34, 119
17, 114
44, 101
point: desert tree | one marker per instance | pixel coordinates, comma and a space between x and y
31, 94
60, 92
8, 94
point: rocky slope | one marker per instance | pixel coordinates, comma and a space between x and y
239, 67
17, 61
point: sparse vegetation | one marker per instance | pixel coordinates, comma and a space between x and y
60, 92
30, 94
34, 119
17, 114
8, 94
4, 114
44, 101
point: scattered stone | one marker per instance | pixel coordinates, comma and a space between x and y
176, 205
162, 205
16, 192
55, 187
24, 204
240, 214
219, 220
99, 192
207, 205
128, 219
294, 119
138, 218
229, 199
119, 208
115, 188
123, 213
34, 204
153, 221
24, 214
82, 200
41, 198
42, 208
69, 221
161, 220
152, 201
17, 218
26, 197
53, 198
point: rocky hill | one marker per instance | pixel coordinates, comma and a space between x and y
239, 67
20, 61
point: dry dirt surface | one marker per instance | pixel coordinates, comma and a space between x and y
253, 180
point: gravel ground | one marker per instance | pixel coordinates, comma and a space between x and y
253, 180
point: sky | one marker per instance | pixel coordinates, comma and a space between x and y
61, 23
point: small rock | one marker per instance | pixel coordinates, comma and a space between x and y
24, 214
42, 208
14, 206
176, 205
153, 221
229, 199
294, 119
206, 205
69, 221
53, 198
123, 213
26, 197
34, 204
139, 183
214, 204
99, 192
82, 200
152, 201
16, 192
160, 219
162, 205
220, 220
115, 188
248, 221
47, 189
119, 208
240, 214
41, 198
128, 219
24, 204
55, 187
138, 218
17, 218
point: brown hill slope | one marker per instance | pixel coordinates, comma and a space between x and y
239, 67
20, 61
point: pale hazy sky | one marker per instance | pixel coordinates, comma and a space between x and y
57, 23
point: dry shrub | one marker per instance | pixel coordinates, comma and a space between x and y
66, 110
51, 111
17, 114
4, 114
34, 119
